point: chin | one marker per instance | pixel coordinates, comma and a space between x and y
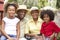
11, 16
35, 17
21, 17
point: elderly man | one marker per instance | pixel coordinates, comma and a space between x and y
21, 12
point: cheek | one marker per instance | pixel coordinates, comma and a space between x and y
21, 15
11, 13
35, 15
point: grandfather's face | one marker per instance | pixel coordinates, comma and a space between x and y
21, 14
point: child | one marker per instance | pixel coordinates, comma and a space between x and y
49, 29
10, 24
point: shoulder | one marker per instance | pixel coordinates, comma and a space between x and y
29, 22
17, 19
5, 18
52, 22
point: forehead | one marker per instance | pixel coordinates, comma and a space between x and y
21, 10
45, 15
11, 7
35, 11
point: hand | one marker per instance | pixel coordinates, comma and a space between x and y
52, 36
40, 38
17, 39
56, 35
43, 38
36, 36
10, 39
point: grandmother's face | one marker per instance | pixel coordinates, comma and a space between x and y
35, 14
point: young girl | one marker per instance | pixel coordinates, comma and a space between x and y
10, 24
49, 29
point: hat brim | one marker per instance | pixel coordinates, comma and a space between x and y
34, 10
22, 9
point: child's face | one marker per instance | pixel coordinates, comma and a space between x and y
11, 10
46, 18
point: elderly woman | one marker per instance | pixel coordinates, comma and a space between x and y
33, 25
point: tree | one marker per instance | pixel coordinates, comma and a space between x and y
58, 4
29, 3
42, 3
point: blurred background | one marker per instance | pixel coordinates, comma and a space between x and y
39, 3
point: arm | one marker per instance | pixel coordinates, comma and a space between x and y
56, 28
28, 32
52, 36
43, 36
42, 31
18, 30
2, 30
32, 35
56, 34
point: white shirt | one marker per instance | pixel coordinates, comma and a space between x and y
10, 25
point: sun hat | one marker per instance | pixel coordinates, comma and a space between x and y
22, 7
34, 8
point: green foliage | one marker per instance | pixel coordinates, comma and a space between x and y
12, 0
58, 4
29, 3
38, 3
42, 3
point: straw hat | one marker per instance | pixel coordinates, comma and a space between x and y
22, 7
34, 8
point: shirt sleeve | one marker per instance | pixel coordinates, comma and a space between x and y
17, 20
56, 28
4, 19
27, 28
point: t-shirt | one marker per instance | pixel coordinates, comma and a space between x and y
10, 25
49, 28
